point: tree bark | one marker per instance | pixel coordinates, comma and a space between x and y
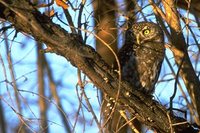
182, 59
106, 28
26, 18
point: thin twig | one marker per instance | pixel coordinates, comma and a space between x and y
129, 122
170, 122
80, 83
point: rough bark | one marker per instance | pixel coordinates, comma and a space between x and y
26, 18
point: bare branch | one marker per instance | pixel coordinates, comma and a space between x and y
27, 19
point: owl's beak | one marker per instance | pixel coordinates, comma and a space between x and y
138, 39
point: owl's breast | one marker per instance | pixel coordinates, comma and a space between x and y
141, 67
148, 62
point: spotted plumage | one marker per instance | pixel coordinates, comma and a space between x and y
142, 55
140, 59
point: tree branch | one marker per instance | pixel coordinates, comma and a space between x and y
26, 18
182, 59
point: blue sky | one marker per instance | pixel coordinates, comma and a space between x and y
23, 53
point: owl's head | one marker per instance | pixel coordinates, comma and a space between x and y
142, 32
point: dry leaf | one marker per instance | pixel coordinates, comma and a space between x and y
62, 3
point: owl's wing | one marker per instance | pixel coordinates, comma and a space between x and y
123, 54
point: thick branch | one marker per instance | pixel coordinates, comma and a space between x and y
27, 19
182, 59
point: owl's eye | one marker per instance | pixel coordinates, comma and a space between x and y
146, 32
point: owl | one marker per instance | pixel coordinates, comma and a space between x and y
140, 58
142, 55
